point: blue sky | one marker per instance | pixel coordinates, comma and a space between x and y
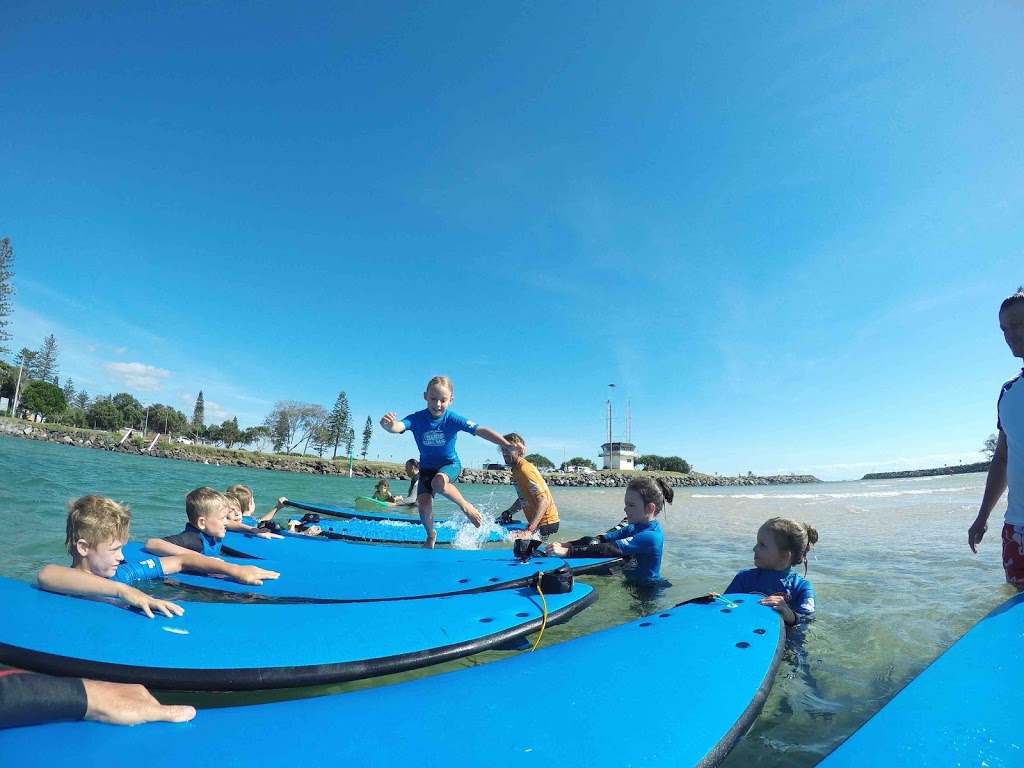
783, 231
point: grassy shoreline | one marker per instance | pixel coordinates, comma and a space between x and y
205, 454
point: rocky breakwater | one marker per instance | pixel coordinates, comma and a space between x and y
112, 441
606, 479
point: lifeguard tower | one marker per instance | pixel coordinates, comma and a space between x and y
621, 454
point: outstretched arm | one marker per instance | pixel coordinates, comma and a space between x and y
391, 423
121, 704
75, 581
995, 485
493, 437
194, 562
270, 515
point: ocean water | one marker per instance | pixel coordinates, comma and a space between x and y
896, 583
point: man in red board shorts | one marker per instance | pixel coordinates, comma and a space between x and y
1007, 468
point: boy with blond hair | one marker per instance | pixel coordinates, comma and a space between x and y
248, 502
96, 530
534, 496
238, 521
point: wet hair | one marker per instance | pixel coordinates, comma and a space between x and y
202, 501
653, 490
795, 537
233, 499
382, 484
243, 493
516, 438
441, 381
412, 466
1013, 298
97, 520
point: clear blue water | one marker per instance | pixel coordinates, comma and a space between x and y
895, 581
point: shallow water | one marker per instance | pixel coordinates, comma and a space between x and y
895, 581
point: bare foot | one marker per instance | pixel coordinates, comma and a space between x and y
474, 517
429, 543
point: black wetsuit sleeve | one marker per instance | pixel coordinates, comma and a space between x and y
412, 484
595, 549
187, 539
30, 699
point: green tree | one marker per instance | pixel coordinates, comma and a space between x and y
6, 291
43, 398
322, 439
69, 390
579, 461
350, 440
367, 435
676, 464
167, 420
989, 448
131, 409
198, 415
258, 436
103, 414
230, 433
280, 432
292, 423
338, 421
73, 417
25, 360
82, 400
543, 462
45, 365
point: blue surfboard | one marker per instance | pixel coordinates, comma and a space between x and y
697, 675
397, 532
961, 710
348, 581
294, 548
254, 646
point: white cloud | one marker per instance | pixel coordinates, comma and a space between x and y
137, 376
215, 413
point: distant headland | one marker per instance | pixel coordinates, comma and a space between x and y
959, 469
110, 441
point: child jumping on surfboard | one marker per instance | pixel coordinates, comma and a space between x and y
435, 429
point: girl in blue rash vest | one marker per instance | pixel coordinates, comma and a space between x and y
640, 541
781, 544
435, 429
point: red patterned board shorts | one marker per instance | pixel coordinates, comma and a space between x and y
1013, 553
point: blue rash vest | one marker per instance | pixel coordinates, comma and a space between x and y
799, 591
252, 522
436, 437
144, 570
642, 546
194, 539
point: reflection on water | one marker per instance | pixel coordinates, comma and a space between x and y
896, 584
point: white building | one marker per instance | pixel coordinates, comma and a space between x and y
618, 455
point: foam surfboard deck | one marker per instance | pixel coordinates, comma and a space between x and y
395, 532
294, 548
961, 710
254, 646
371, 509
347, 581
368, 509
697, 675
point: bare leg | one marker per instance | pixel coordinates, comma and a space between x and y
425, 504
441, 485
